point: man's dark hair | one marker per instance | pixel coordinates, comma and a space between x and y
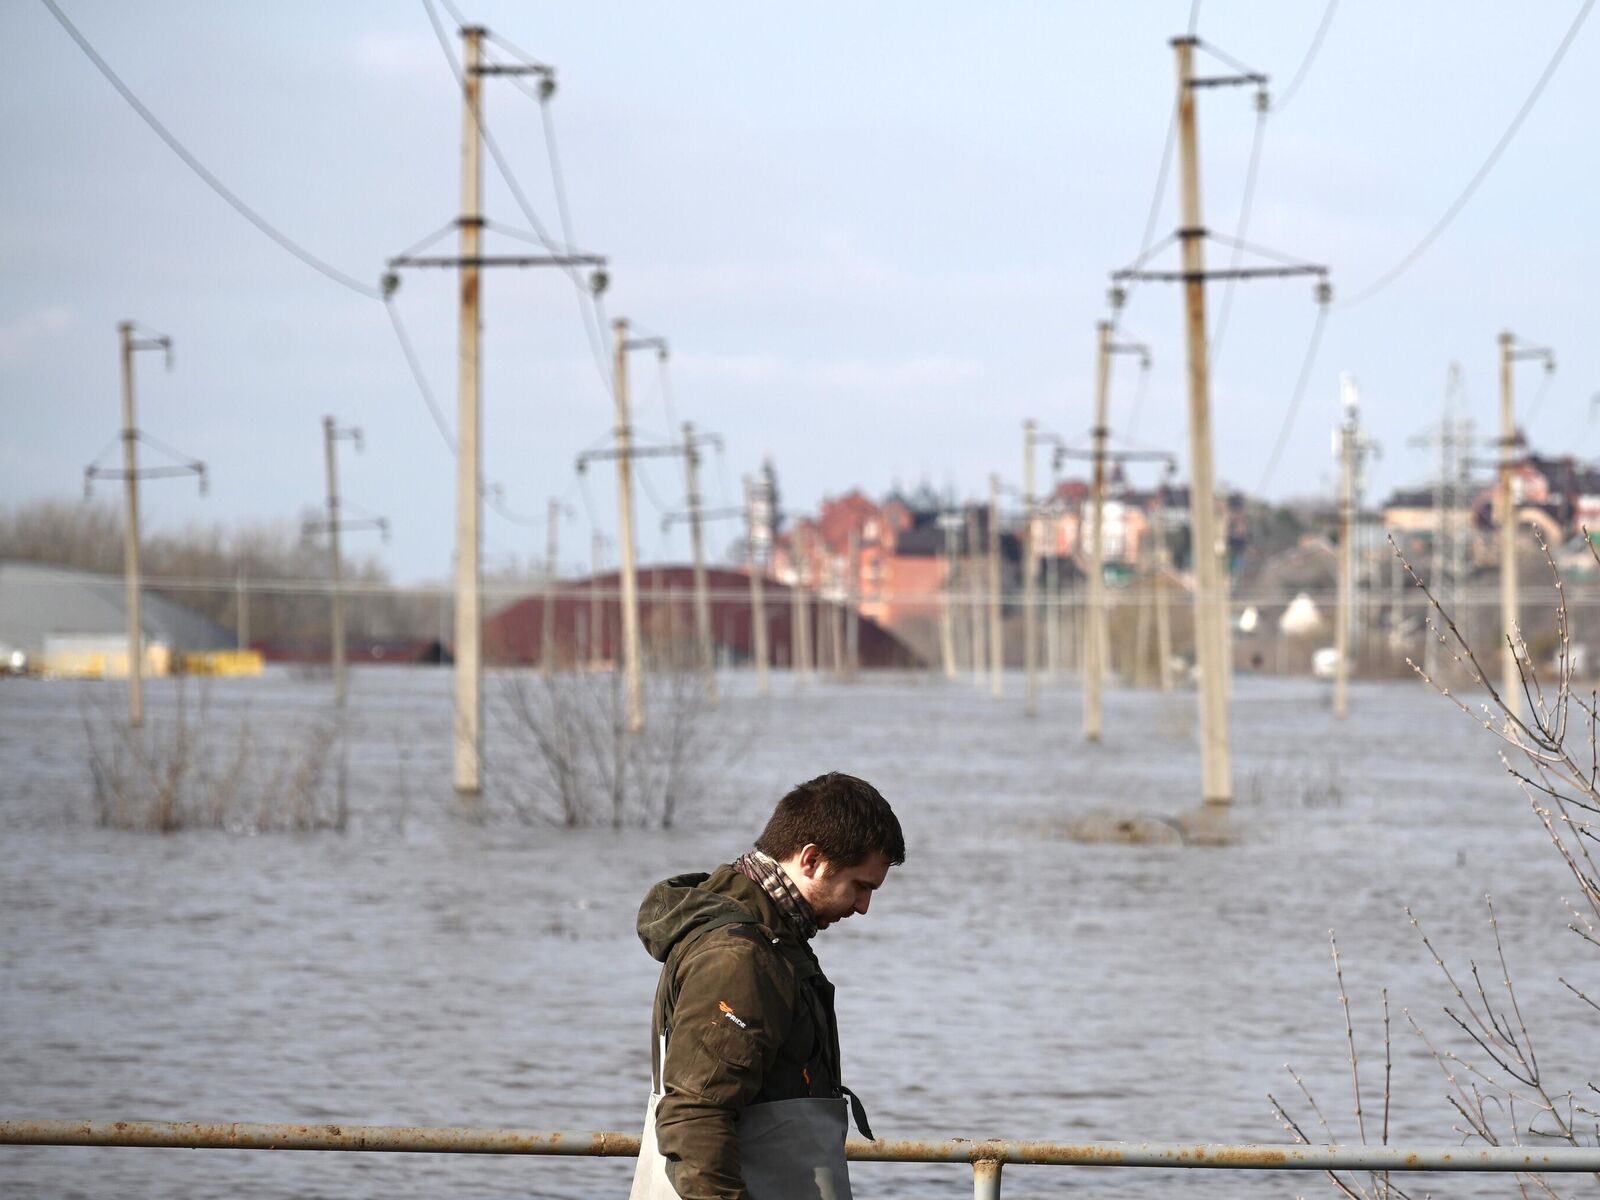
845, 816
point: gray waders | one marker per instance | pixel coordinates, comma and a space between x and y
788, 1150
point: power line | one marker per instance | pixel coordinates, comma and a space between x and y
1294, 401
1450, 214
1225, 307
1311, 54
416, 374
199, 168
503, 166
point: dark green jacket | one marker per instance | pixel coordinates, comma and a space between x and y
748, 1016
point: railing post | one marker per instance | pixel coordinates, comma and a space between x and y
986, 1179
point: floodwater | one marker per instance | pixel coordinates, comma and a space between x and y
420, 968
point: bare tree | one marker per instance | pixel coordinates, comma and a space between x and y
581, 766
1498, 1089
177, 773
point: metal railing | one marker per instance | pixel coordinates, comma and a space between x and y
985, 1157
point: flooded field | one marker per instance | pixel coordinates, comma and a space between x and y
420, 968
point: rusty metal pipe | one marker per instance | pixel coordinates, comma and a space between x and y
986, 1179
200, 1135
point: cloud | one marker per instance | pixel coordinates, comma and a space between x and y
18, 336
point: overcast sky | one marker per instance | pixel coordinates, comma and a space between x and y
877, 236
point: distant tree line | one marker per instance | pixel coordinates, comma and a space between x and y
88, 536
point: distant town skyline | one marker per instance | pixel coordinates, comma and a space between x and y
877, 240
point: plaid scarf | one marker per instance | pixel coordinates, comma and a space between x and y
766, 871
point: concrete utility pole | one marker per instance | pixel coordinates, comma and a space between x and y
702, 601
130, 531
332, 525
1094, 627
1096, 631
949, 522
241, 610
130, 523
631, 652
1216, 766
997, 652
1163, 609
1447, 439
852, 631
596, 647
547, 607
800, 618
468, 752
1348, 437
469, 428
130, 474
1506, 509
1030, 612
330, 436
975, 609
758, 605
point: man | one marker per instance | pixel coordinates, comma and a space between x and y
748, 1101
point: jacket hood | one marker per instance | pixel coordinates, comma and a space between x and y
679, 906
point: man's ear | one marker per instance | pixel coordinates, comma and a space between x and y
811, 861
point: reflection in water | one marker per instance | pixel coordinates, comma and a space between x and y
1010, 982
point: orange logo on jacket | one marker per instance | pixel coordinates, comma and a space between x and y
729, 1013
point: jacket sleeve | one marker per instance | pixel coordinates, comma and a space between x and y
732, 1014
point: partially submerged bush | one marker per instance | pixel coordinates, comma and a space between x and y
183, 771
586, 769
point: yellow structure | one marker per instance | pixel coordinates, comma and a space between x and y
230, 663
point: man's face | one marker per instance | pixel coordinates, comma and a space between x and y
833, 892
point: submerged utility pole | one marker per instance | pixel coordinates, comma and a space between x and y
1511, 684
1449, 437
597, 643
241, 610
547, 609
633, 677
1030, 612
702, 602
330, 435
758, 605
1096, 632
130, 474
975, 607
1348, 442
468, 751
1163, 609
997, 653
949, 523
1216, 765
332, 525
1210, 644
469, 428
800, 634
852, 629
130, 521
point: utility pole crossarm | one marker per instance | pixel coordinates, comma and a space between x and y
1160, 456
357, 524
706, 514
499, 260
611, 453
195, 468
1224, 273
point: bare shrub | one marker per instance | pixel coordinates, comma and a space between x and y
1499, 1091
183, 771
588, 770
